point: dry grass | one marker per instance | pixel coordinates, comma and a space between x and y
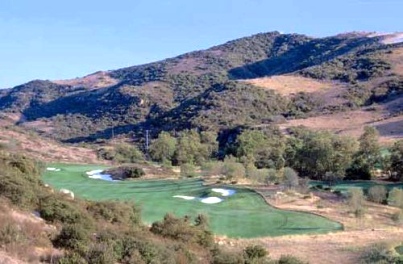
17, 139
289, 84
23, 236
396, 60
352, 123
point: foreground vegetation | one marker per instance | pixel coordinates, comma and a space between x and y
97, 231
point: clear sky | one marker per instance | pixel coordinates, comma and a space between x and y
51, 39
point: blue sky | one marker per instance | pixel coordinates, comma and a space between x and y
48, 39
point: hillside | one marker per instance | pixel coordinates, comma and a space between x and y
262, 79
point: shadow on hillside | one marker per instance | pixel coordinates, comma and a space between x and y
136, 131
391, 129
312, 53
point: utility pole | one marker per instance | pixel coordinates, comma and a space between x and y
147, 143
147, 139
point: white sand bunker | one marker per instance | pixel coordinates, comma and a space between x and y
97, 174
52, 169
184, 197
224, 192
211, 200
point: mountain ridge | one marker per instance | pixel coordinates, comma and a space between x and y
197, 89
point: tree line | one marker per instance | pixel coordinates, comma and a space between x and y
318, 155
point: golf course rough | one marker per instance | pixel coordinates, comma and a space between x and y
243, 214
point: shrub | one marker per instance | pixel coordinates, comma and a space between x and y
182, 229
187, 170
101, 253
116, 212
398, 217
289, 259
72, 258
377, 194
73, 237
378, 253
123, 153
396, 197
254, 252
10, 233
233, 170
134, 172
356, 201
55, 209
227, 257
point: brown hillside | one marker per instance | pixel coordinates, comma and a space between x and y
352, 122
395, 58
96, 80
289, 84
17, 139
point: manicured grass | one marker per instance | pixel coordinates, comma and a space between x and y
244, 214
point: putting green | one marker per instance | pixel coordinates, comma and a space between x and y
243, 214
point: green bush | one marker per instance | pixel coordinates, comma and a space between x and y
73, 237
255, 252
116, 212
182, 229
55, 209
101, 253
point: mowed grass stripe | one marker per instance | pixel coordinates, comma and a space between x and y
244, 214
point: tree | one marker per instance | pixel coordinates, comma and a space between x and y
163, 148
313, 154
263, 148
290, 178
367, 157
396, 161
356, 201
190, 148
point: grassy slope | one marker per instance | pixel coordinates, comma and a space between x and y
243, 215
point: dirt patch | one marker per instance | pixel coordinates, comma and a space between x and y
290, 85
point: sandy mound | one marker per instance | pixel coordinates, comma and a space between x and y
184, 197
211, 200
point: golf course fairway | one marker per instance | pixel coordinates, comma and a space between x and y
243, 213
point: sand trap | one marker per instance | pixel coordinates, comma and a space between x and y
184, 197
211, 200
224, 192
52, 169
97, 174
